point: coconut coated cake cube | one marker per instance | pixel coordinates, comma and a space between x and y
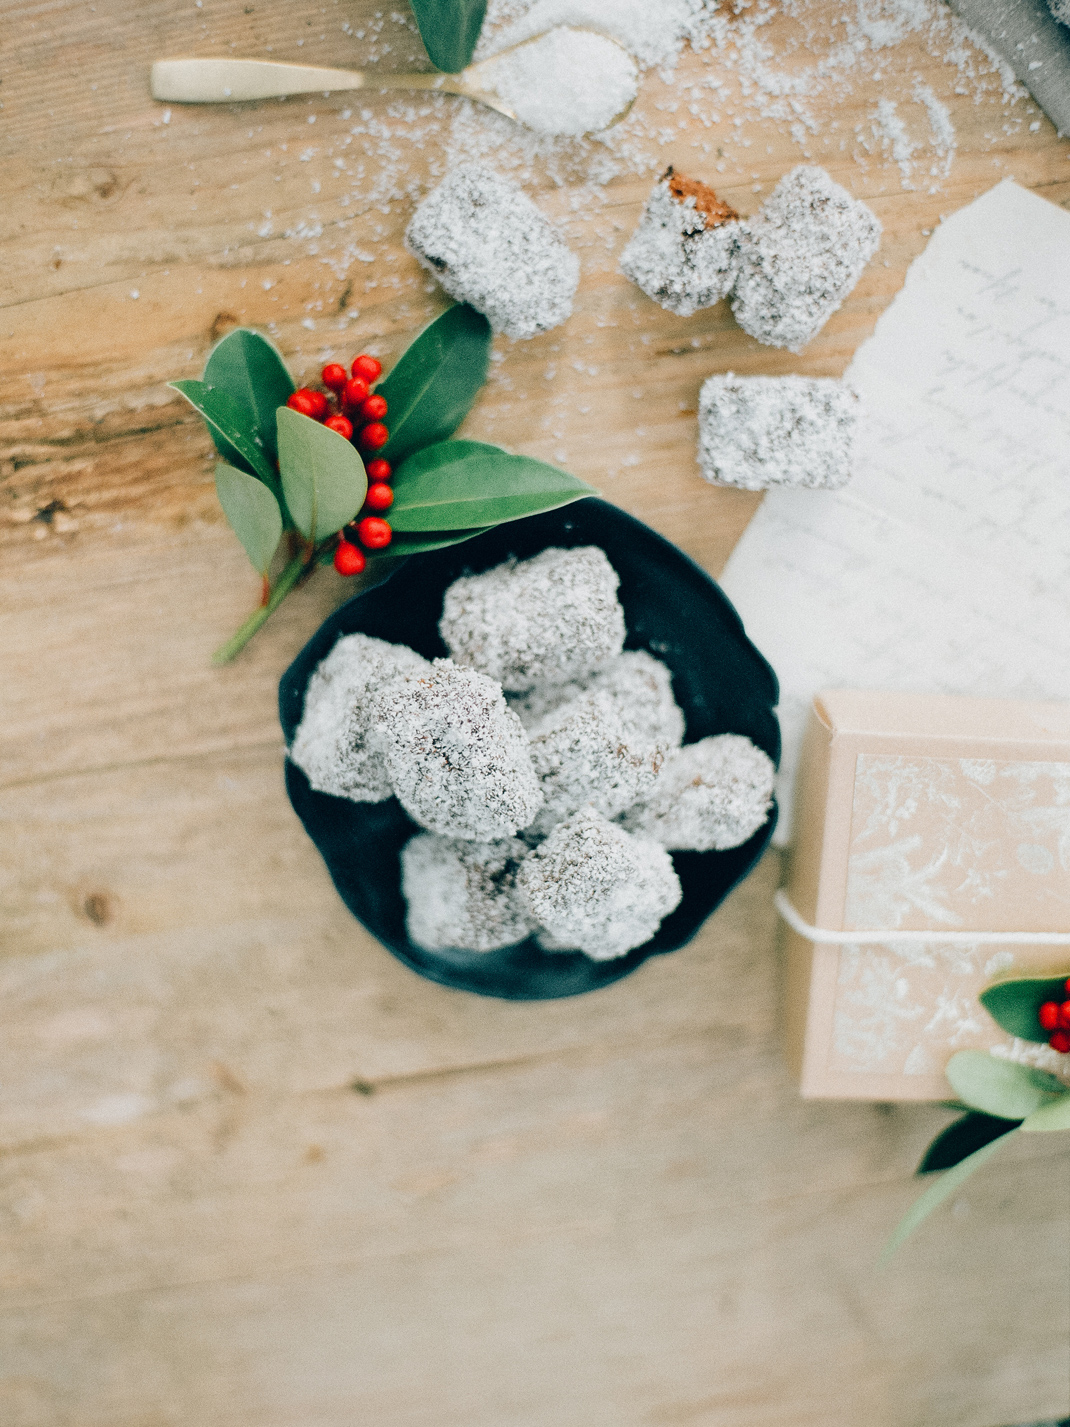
463, 894
710, 796
683, 252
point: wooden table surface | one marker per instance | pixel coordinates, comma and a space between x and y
253, 1172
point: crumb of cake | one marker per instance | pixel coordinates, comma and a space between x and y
711, 795
331, 743
641, 687
585, 755
683, 254
756, 432
800, 256
463, 894
457, 757
550, 619
488, 245
595, 887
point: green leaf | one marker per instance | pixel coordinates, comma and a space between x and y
231, 428
1014, 1004
431, 389
459, 485
322, 475
1000, 1087
449, 30
434, 540
247, 367
963, 1138
935, 1195
252, 511
1053, 1116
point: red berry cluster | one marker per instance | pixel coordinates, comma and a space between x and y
1055, 1018
359, 410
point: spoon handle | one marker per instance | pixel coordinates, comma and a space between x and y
228, 81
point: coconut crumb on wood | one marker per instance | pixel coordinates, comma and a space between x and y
488, 245
550, 619
457, 757
463, 894
595, 888
756, 432
710, 796
331, 743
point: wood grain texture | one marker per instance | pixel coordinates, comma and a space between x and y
253, 1173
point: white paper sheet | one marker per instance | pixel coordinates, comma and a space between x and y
944, 565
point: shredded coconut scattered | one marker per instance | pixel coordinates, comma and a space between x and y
331, 745
463, 894
683, 253
710, 796
756, 432
457, 757
800, 257
552, 618
596, 888
489, 245
566, 81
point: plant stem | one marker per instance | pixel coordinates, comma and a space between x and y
283, 585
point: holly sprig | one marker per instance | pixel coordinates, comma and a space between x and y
289, 484
1001, 1098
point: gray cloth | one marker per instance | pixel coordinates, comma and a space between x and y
1036, 46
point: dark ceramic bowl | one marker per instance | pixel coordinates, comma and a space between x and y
672, 608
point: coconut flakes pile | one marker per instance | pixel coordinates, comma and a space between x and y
756, 432
566, 81
488, 245
550, 813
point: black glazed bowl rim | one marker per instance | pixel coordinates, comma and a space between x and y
672, 608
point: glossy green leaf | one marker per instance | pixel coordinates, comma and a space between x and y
252, 511
1000, 1087
1014, 1004
459, 485
231, 427
449, 30
935, 1195
247, 367
962, 1139
1053, 1116
322, 476
431, 389
433, 540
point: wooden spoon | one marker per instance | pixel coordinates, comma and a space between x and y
229, 81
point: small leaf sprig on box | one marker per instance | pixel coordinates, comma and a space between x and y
1000, 1097
292, 477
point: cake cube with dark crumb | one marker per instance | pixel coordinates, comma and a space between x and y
639, 685
710, 796
550, 619
463, 894
331, 745
800, 256
457, 757
488, 245
596, 888
683, 254
587, 754
756, 432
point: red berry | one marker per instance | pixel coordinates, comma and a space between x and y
348, 560
1060, 1041
374, 436
334, 376
1064, 1016
355, 392
379, 470
1048, 1016
308, 403
341, 424
375, 534
1068, 985
366, 367
379, 497
373, 408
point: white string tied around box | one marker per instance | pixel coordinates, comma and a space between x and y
822, 936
